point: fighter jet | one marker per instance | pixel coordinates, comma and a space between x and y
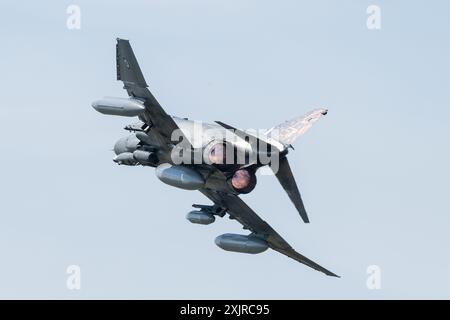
216, 159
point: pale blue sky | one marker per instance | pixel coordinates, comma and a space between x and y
373, 173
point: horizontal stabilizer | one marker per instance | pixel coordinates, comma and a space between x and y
289, 131
287, 181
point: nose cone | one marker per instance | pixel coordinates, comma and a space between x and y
125, 158
120, 146
95, 105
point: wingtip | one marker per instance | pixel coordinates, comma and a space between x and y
331, 274
302, 213
335, 275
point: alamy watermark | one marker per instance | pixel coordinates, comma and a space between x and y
373, 281
73, 21
374, 19
73, 281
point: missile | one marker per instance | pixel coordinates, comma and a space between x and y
143, 157
144, 138
125, 107
180, 176
241, 243
125, 158
200, 217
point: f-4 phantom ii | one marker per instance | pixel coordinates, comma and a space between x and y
216, 159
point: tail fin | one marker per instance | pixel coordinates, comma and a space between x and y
289, 131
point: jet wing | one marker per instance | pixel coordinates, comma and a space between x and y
130, 73
239, 210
